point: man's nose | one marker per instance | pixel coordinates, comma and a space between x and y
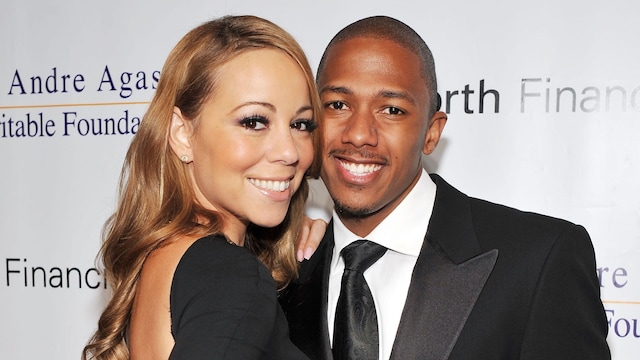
361, 129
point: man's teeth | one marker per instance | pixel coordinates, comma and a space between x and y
360, 169
270, 184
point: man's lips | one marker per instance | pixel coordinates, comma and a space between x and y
357, 166
359, 169
357, 156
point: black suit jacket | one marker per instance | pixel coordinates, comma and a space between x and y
491, 282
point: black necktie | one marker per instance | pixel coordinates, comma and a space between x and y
355, 332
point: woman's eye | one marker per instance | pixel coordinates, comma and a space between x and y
336, 105
392, 110
254, 122
304, 125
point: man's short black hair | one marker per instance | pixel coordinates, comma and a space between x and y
387, 28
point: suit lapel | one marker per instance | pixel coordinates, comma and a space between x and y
446, 282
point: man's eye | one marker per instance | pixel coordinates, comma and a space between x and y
254, 122
337, 105
392, 110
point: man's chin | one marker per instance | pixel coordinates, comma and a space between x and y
351, 211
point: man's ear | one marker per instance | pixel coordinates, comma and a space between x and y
180, 132
436, 125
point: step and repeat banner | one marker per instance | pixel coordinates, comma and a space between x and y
543, 101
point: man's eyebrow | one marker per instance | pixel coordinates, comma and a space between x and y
391, 94
336, 90
382, 94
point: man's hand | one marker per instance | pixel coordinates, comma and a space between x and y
312, 232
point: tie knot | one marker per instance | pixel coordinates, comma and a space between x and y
361, 254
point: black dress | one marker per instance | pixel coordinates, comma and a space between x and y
224, 306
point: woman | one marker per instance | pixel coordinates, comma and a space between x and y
211, 201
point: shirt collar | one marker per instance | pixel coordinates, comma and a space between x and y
404, 229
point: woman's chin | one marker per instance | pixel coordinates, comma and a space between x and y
269, 222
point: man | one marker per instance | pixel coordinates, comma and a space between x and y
461, 278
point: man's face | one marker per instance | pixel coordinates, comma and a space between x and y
375, 128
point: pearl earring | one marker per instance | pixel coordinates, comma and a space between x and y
184, 158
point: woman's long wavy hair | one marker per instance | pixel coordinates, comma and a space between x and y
156, 202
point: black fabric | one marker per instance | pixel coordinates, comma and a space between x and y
355, 334
224, 306
539, 294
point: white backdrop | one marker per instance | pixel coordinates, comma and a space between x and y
510, 137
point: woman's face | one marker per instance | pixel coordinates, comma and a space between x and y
252, 143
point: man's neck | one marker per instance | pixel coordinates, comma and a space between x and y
363, 225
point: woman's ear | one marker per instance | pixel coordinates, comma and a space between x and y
180, 132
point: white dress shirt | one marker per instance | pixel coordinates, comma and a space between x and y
402, 232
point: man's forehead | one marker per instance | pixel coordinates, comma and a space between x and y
370, 40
